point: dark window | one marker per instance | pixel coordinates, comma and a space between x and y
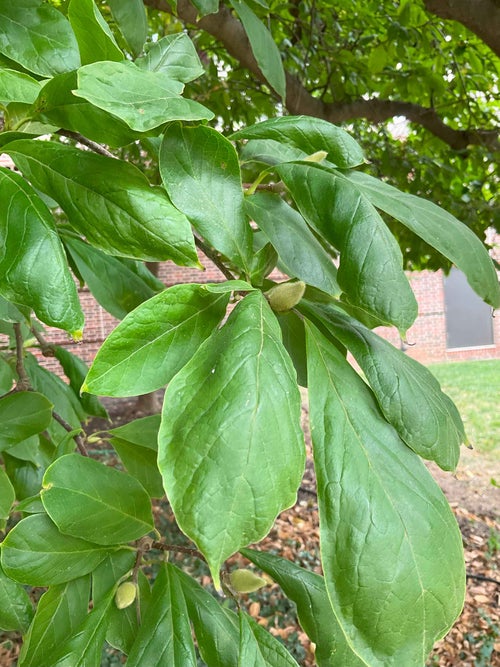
469, 320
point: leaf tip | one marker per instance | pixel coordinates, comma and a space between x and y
77, 335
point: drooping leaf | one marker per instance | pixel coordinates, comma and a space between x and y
408, 394
175, 55
216, 628
371, 264
26, 477
439, 229
294, 340
263, 262
142, 98
17, 87
381, 516
33, 266
7, 496
258, 648
205, 7
301, 254
263, 47
16, 610
123, 624
87, 499
115, 287
132, 20
225, 416
308, 591
164, 636
94, 37
36, 553
38, 37
142, 432
141, 463
201, 174
60, 611
154, 341
309, 135
75, 369
22, 415
108, 201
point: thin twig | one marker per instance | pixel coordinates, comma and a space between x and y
481, 577
94, 146
23, 381
267, 187
46, 348
213, 257
176, 547
80, 443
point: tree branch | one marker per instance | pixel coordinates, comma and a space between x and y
80, 443
213, 257
23, 382
230, 32
482, 17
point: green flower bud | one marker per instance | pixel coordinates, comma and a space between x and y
246, 581
285, 296
125, 594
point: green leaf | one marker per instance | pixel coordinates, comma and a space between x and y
75, 370
381, 516
258, 648
143, 99
164, 636
205, 7
33, 266
13, 313
141, 463
294, 340
17, 87
123, 623
309, 135
268, 151
439, 229
107, 575
132, 20
7, 496
225, 416
142, 432
16, 610
38, 37
56, 104
36, 553
154, 342
60, 611
7, 376
263, 262
87, 499
175, 55
23, 414
408, 394
301, 254
108, 201
308, 591
94, 37
264, 48
201, 173
216, 628
37, 449
371, 264
114, 285
26, 477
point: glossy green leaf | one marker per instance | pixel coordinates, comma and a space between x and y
309, 135
225, 416
33, 266
216, 628
123, 624
37, 449
175, 55
75, 369
141, 463
107, 575
301, 254
371, 264
164, 636
38, 37
258, 648
7, 376
439, 229
381, 516
132, 20
115, 287
31, 505
154, 341
94, 37
205, 7
22, 415
142, 98
36, 553
108, 201
93, 501
268, 151
60, 611
201, 174
16, 610
263, 47
308, 591
294, 340
56, 104
7, 495
407, 393
13, 313
142, 432
17, 87
26, 477
263, 262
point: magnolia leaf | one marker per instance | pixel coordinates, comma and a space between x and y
16, 610
225, 416
23, 414
17, 87
258, 648
94, 37
175, 55
132, 20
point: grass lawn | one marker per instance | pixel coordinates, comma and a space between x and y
474, 386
